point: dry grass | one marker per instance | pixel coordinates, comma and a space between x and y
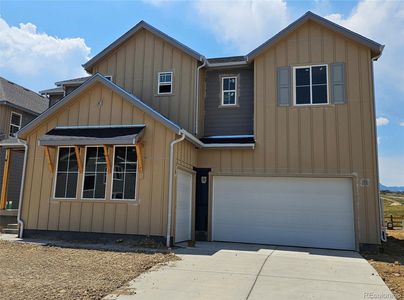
32, 271
393, 204
390, 262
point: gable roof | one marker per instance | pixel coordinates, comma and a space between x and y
142, 25
98, 78
18, 96
375, 47
73, 81
53, 91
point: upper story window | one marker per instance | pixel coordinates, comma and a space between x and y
311, 85
229, 90
95, 174
124, 174
15, 123
165, 83
66, 173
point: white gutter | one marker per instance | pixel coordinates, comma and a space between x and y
197, 94
170, 188
228, 64
19, 220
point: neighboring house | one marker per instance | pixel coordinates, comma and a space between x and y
276, 147
18, 107
62, 89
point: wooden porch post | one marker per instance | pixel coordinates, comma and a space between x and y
4, 184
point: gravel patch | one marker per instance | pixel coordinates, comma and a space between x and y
389, 263
36, 271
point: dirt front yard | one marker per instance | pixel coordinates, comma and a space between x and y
390, 263
33, 271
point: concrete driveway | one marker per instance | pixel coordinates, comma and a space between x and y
240, 271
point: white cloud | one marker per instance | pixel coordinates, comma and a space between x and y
27, 53
156, 3
382, 121
401, 123
391, 173
243, 23
382, 21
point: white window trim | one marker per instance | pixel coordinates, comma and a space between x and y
11, 118
109, 77
56, 176
311, 86
235, 91
113, 170
165, 83
84, 177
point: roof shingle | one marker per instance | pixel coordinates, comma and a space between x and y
19, 96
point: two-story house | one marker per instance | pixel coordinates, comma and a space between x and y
277, 146
18, 107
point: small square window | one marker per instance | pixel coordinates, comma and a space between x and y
165, 83
311, 86
229, 91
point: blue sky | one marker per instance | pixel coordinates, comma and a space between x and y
45, 41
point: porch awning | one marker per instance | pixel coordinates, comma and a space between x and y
93, 135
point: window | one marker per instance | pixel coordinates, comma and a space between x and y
311, 85
165, 83
15, 123
109, 77
66, 173
229, 90
124, 174
95, 174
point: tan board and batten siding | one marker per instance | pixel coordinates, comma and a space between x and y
146, 216
135, 65
326, 140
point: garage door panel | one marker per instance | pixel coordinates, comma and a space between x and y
312, 212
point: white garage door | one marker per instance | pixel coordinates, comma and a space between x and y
183, 207
307, 212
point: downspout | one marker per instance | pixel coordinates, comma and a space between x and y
170, 188
197, 95
383, 236
19, 220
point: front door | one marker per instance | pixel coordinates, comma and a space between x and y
202, 204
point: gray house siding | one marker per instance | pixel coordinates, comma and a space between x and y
231, 120
53, 99
17, 157
14, 179
5, 115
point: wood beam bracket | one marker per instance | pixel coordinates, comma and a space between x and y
49, 159
107, 159
78, 157
139, 157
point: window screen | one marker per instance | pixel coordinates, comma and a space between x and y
67, 173
95, 174
229, 93
311, 85
124, 175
